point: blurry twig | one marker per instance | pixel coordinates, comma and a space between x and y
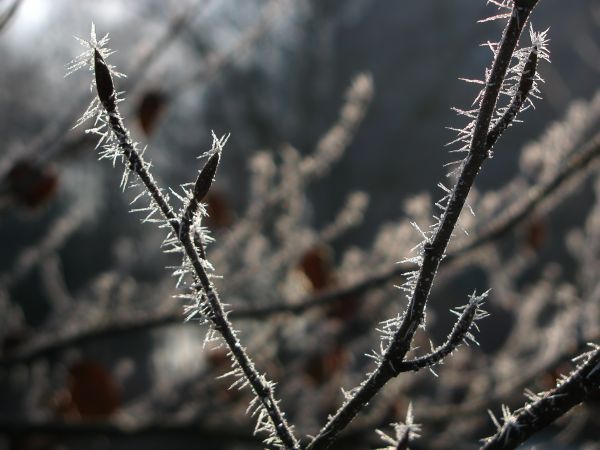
176, 26
577, 163
329, 149
9, 14
216, 62
58, 233
440, 413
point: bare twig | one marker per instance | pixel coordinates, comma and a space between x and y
216, 62
578, 162
524, 87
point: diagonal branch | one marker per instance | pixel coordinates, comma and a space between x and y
545, 408
578, 162
6, 16
262, 388
460, 332
435, 248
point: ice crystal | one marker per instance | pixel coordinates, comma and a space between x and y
404, 433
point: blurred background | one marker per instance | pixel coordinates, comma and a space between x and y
338, 114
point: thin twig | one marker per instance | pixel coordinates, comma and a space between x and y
518, 213
461, 331
262, 388
523, 89
579, 161
440, 413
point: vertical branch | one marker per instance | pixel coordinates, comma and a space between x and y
435, 248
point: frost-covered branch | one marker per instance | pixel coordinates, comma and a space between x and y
434, 248
404, 433
461, 332
207, 304
546, 407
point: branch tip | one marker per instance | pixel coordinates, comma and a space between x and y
206, 177
104, 81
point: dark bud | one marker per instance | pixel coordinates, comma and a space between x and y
205, 178
104, 82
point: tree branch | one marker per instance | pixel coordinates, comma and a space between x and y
434, 249
262, 388
460, 332
545, 408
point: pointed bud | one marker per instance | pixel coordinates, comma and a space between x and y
104, 82
205, 177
